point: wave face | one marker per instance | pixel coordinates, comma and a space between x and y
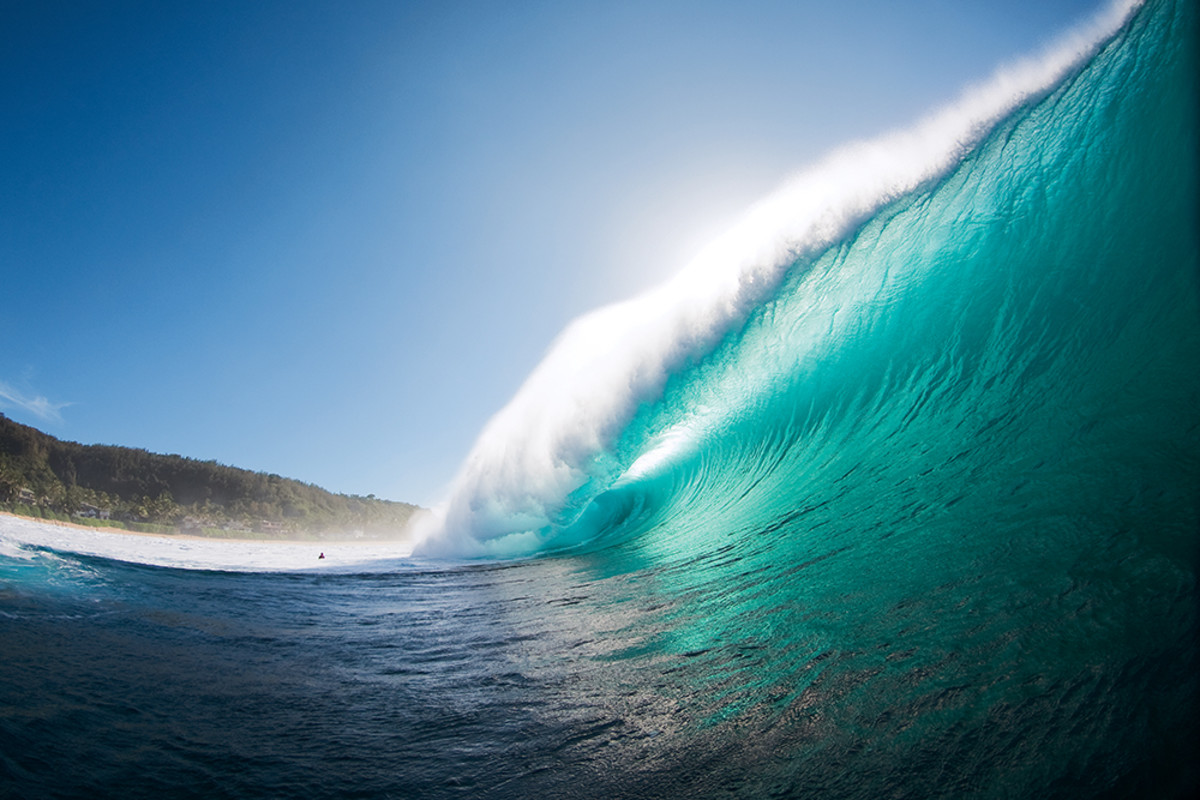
992, 311
901, 499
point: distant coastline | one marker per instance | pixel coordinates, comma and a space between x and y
109, 487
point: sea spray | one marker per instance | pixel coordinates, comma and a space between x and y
921, 524
543, 460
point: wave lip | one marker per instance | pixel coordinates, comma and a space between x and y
561, 441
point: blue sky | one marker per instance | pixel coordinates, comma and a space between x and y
330, 240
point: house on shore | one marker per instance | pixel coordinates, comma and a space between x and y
93, 512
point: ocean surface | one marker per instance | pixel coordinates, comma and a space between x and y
896, 493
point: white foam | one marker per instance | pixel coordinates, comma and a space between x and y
17, 535
545, 443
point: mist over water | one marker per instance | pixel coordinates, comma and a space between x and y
902, 501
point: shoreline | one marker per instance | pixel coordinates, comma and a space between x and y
190, 537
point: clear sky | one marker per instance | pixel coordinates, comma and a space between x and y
330, 239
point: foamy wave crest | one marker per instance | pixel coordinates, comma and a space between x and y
547, 453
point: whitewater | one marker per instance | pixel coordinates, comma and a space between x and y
894, 491
565, 438
21, 539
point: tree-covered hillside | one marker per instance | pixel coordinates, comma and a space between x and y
44, 476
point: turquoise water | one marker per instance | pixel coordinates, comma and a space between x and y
921, 521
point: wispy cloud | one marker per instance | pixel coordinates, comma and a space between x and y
39, 406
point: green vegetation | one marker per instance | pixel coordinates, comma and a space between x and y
104, 485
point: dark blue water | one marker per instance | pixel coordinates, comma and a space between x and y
923, 522
557, 678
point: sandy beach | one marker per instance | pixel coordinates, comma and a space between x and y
21, 536
193, 537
